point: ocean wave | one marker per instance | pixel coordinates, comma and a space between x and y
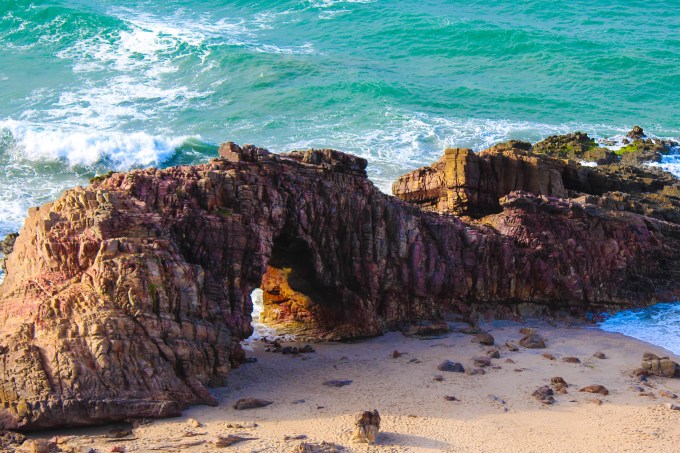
658, 325
146, 67
115, 150
38, 162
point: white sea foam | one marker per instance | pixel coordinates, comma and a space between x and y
670, 162
129, 74
402, 141
331, 3
38, 162
659, 325
116, 150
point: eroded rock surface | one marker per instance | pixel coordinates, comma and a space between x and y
129, 298
660, 366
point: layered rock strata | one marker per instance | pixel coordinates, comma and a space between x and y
129, 297
465, 183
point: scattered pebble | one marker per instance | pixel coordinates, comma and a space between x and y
667, 394
250, 403
337, 383
600, 355
323, 447
119, 433
511, 346
450, 366
544, 394
571, 360
595, 388
496, 399
532, 341
231, 439
481, 361
493, 353
483, 338
548, 356
558, 381
451, 398
298, 437
194, 423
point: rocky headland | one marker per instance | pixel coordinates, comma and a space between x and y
128, 298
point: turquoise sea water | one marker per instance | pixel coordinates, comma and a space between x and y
90, 86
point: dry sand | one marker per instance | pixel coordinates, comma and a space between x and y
496, 412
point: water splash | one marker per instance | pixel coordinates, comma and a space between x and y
260, 330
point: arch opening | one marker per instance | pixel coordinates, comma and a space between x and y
292, 303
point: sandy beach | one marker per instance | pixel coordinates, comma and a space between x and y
494, 412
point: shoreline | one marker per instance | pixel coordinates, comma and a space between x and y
495, 411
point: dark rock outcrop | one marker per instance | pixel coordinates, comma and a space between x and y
129, 297
636, 133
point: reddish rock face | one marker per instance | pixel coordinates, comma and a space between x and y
129, 297
467, 183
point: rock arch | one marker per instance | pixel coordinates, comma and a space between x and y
129, 297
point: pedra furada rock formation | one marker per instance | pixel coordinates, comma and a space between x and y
128, 298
